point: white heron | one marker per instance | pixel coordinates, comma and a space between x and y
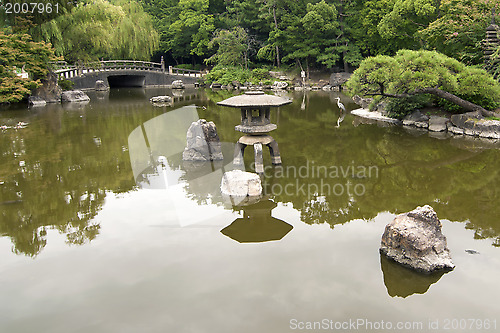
342, 111
340, 105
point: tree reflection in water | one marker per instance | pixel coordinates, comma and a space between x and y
55, 173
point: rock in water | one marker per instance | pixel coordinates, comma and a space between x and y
239, 183
160, 99
36, 101
74, 96
203, 143
177, 84
100, 85
414, 239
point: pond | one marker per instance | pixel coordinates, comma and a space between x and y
105, 229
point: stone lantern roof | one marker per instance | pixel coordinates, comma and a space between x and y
254, 99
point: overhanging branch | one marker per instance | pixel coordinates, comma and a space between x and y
444, 95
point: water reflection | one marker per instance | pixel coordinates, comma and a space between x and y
156, 158
56, 172
119, 143
257, 225
403, 282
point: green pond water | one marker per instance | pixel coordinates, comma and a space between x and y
104, 228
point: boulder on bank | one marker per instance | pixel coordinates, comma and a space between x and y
415, 240
473, 123
338, 79
203, 142
36, 101
71, 96
50, 91
416, 119
363, 102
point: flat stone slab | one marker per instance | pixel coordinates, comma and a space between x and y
438, 124
374, 115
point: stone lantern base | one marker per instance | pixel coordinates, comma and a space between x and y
257, 141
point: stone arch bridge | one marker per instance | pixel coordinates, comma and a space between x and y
124, 73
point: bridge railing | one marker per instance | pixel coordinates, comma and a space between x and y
65, 71
185, 72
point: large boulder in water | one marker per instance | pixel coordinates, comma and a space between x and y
100, 85
177, 84
415, 240
203, 142
74, 96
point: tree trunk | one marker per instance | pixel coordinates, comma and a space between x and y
307, 68
341, 22
276, 27
447, 96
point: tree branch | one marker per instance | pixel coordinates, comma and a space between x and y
444, 95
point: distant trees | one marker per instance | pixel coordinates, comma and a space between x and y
232, 48
101, 29
333, 33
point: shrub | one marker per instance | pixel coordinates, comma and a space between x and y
400, 107
65, 84
260, 74
226, 75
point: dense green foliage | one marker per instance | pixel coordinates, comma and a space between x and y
334, 34
326, 33
91, 31
460, 28
232, 47
18, 51
411, 73
400, 107
226, 75
320, 33
23, 15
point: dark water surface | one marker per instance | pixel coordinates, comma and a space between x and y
104, 229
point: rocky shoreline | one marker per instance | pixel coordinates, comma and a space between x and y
282, 81
472, 124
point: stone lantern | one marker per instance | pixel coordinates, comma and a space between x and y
492, 40
257, 225
256, 124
